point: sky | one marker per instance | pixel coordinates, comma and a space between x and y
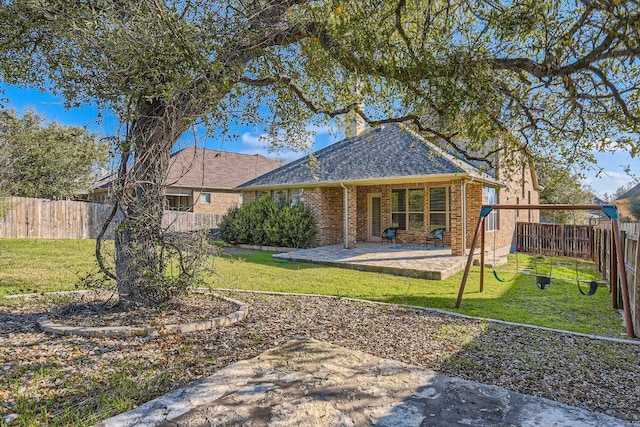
251, 140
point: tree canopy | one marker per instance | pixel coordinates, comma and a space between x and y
549, 79
563, 187
561, 77
46, 160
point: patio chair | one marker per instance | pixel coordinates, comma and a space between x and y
390, 234
434, 236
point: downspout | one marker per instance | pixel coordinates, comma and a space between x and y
346, 215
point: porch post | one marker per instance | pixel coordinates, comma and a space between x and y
352, 193
349, 215
456, 225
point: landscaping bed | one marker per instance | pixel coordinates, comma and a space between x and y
62, 380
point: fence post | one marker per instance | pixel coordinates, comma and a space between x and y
613, 272
636, 283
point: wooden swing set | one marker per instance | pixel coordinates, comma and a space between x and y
610, 211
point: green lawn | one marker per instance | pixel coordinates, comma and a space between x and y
47, 265
560, 306
43, 265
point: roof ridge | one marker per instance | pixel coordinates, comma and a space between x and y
466, 166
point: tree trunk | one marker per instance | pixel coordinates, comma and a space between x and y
139, 263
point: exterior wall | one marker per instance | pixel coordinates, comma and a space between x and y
352, 194
405, 237
248, 196
221, 201
475, 200
519, 191
624, 213
327, 205
456, 225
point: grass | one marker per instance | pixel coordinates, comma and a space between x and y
48, 393
48, 265
42, 265
560, 306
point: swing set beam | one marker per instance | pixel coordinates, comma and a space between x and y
612, 213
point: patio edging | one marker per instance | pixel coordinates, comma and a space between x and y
260, 248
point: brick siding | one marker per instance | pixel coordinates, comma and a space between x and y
221, 201
327, 205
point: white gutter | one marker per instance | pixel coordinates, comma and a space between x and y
375, 181
346, 215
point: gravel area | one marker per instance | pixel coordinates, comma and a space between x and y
67, 374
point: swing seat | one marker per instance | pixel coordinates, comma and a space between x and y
593, 287
495, 274
542, 281
501, 280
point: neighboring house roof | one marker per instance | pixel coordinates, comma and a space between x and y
200, 167
212, 169
599, 201
630, 194
387, 152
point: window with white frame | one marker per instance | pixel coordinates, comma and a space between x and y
205, 198
491, 198
178, 203
439, 208
407, 209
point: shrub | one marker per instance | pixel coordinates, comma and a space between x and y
263, 222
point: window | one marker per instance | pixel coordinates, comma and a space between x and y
178, 203
296, 197
439, 208
407, 209
279, 197
259, 194
205, 198
491, 198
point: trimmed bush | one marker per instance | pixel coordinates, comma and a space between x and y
262, 222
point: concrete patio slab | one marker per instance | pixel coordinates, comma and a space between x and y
311, 383
402, 260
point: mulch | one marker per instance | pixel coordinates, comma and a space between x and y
68, 374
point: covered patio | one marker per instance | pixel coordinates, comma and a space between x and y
433, 263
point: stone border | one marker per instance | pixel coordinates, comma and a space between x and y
260, 248
141, 331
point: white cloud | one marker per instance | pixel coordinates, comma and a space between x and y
253, 143
251, 140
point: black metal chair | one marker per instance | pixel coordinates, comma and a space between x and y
390, 234
434, 236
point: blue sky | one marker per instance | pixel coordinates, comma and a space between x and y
250, 139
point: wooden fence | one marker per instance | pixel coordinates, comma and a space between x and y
592, 243
64, 219
605, 261
574, 241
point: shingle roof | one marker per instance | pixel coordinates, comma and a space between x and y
212, 169
200, 167
633, 192
386, 152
